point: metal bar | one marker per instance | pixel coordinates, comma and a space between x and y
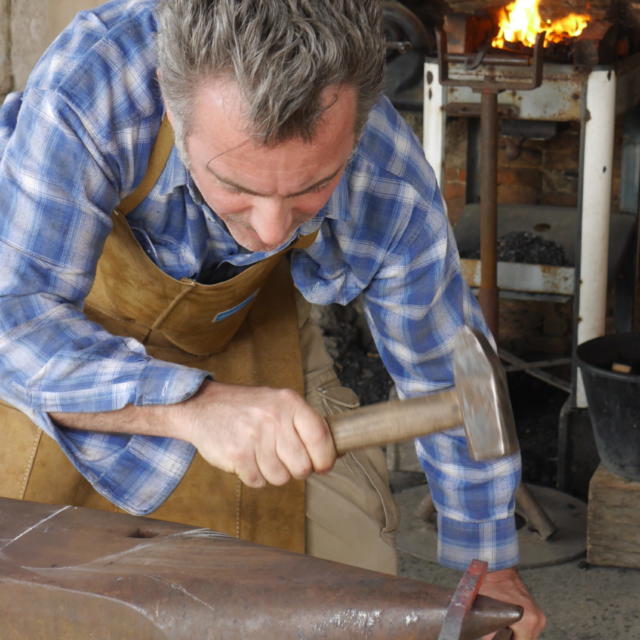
550, 379
434, 119
537, 518
562, 474
515, 60
401, 46
525, 278
597, 178
462, 599
538, 364
488, 294
557, 99
443, 58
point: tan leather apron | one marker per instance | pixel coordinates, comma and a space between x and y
243, 330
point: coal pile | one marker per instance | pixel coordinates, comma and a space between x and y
356, 359
527, 248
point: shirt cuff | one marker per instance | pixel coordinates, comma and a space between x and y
494, 541
167, 383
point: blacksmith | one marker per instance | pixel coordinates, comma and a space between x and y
178, 181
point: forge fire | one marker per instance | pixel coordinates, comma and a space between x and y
521, 22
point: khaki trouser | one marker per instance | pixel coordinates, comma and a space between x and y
351, 516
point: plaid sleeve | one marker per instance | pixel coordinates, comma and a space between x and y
387, 238
415, 315
416, 308
57, 188
474, 500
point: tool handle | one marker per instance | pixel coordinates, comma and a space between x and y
393, 421
504, 634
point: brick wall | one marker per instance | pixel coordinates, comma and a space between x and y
454, 185
544, 172
536, 172
529, 171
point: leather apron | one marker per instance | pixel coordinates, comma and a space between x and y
243, 330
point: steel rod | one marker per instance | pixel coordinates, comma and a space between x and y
512, 60
488, 294
549, 378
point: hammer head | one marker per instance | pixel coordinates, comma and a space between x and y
483, 396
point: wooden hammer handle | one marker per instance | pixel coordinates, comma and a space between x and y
393, 421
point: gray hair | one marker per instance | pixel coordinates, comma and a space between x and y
281, 53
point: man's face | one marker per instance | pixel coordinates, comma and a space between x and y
263, 194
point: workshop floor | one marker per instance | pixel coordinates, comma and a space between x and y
581, 602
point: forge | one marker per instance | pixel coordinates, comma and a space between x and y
570, 100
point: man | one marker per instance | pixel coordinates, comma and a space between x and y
130, 361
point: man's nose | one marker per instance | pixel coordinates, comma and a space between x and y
272, 221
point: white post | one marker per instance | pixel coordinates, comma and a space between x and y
596, 208
434, 119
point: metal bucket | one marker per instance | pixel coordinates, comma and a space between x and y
614, 400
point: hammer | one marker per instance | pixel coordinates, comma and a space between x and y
479, 401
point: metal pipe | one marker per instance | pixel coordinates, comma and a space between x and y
488, 294
535, 372
597, 175
435, 119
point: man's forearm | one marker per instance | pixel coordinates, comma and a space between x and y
263, 435
148, 420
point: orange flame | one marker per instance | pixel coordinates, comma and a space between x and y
520, 21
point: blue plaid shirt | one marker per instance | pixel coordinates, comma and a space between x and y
78, 139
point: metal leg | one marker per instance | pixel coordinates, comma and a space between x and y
434, 119
597, 174
488, 294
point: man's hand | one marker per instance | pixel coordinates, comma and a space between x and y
507, 586
261, 434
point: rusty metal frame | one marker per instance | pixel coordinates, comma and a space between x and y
491, 82
489, 87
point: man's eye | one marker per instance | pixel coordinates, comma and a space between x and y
320, 187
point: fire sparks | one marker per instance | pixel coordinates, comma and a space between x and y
521, 21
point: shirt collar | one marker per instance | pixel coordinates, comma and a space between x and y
174, 175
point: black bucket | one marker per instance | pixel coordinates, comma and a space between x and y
614, 400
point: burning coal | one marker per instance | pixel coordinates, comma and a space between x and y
521, 22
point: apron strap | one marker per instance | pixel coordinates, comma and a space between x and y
159, 155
